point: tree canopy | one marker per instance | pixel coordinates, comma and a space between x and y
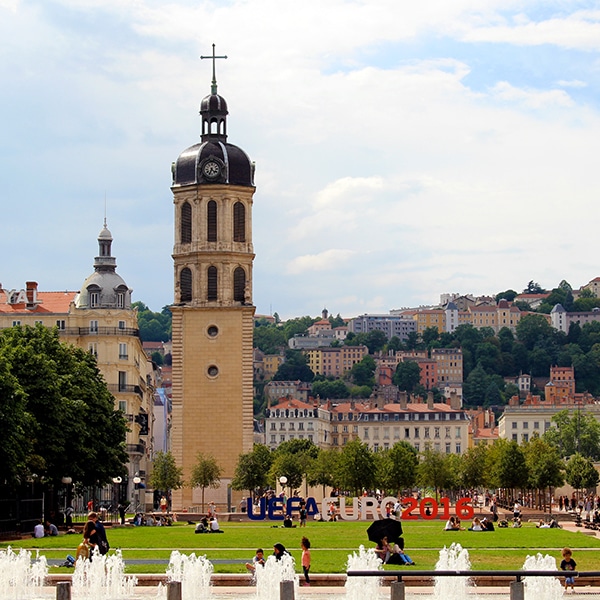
56, 413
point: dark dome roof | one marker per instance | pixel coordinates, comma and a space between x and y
238, 168
213, 104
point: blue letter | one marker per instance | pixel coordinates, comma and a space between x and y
261, 515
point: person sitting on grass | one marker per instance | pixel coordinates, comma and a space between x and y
476, 525
451, 525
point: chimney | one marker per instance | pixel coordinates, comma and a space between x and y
403, 401
31, 290
430, 400
454, 400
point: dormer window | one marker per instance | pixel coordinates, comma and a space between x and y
120, 300
94, 299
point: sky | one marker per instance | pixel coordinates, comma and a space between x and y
403, 149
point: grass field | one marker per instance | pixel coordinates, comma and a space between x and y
331, 544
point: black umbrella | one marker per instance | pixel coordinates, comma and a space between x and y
389, 528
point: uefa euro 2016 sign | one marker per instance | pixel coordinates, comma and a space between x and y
360, 509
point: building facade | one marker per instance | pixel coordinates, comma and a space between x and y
99, 319
213, 314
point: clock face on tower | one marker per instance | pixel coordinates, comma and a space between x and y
211, 169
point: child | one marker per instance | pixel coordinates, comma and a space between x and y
568, 564
258, 559
305, 545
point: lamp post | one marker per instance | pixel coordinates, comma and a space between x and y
136, 482
283, 480
66, 481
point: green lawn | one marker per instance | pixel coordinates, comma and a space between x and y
331, 544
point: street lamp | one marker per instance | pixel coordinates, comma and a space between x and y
136, 482
66, 481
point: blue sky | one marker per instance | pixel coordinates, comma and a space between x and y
401, 151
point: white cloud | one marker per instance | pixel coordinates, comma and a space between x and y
330, 260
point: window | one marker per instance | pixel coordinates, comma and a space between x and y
514, 437
211, 221
310, 426
61, 324
458, 449
239, 285
366, 433
458, 432
282, 426
301, 426
93, 326
525, 437
120, 300
426, 433
16, 323
514, 424
93, 349
212, 283
121, 324
447, 432
310, 437
406, 432
436, 432
536, 424
185, 285
273, 426
291, 427
186, 223
123, 355
122, 381
94, 299
416, 432
282, 438
123, 406
448, 449
525, 425
273, 439
239, 222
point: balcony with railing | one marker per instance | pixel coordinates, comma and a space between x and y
79, 331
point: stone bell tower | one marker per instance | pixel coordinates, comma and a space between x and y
213, 189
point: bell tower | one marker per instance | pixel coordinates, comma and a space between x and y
213, 189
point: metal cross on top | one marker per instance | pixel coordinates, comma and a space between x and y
213, 87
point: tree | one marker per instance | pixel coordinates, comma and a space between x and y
407, 375
330, 389
293, 459
205, 473
269, 338
506, 465
544, 466
362, 373
251, 471
62, 403
509, 295
578, 433
294, 368
433, 470
166, 475
154, 327
581, 473
534, 288
375, 340
356, 467
476, 386
15, 423
473, 467
323, 469
533, 328
397, 467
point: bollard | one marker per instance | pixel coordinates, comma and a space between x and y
286, 590
517, 590
63, 590
398, 590
174, 590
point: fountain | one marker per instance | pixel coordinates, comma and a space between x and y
275, 571
359, 588
455, 558
21, 578
193, 572
102, 578
547, 588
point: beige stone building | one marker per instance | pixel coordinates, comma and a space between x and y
213, 314
99, 319
443, 427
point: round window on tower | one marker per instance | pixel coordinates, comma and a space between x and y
212, 371
212, 331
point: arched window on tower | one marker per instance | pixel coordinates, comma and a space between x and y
239, 285
212, 282
211, 221
185, 285
186, 223
239, 222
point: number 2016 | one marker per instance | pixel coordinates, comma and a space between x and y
441, 510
